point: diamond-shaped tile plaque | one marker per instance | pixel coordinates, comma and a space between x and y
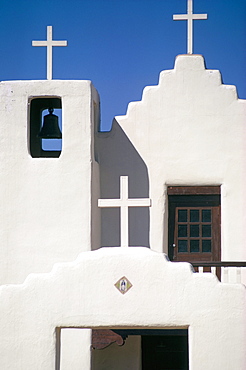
123, 285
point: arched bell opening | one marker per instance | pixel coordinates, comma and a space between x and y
45, 127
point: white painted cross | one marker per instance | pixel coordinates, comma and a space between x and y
49, 43
189, 17
124, 203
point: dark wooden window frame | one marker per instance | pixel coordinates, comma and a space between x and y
190, 196
193, 190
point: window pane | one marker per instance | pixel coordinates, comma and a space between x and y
194, 230
206, 215
182, 246
194, 246
182, 231
182, 215
206, 246
206, 231
194, 215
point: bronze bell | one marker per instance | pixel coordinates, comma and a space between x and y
50, 128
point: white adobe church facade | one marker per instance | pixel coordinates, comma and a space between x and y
102, 233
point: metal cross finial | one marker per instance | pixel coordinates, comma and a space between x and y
124, 203
189, 17
49, 44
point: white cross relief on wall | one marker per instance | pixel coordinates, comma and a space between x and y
189, 17
49, 44
124, 203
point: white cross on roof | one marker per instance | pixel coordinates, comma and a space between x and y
124, 203
49, 44
189, 17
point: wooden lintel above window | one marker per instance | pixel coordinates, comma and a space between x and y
193, 190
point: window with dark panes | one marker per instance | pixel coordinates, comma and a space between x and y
194, 230
194, 223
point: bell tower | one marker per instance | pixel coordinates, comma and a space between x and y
48, 212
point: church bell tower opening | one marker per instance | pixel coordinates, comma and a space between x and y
45, 125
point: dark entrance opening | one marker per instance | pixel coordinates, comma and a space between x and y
166, 351
162, 349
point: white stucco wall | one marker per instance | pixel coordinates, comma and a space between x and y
46, 203
190, 129
82, 294
74, 354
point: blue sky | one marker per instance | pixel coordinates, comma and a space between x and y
121, 45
